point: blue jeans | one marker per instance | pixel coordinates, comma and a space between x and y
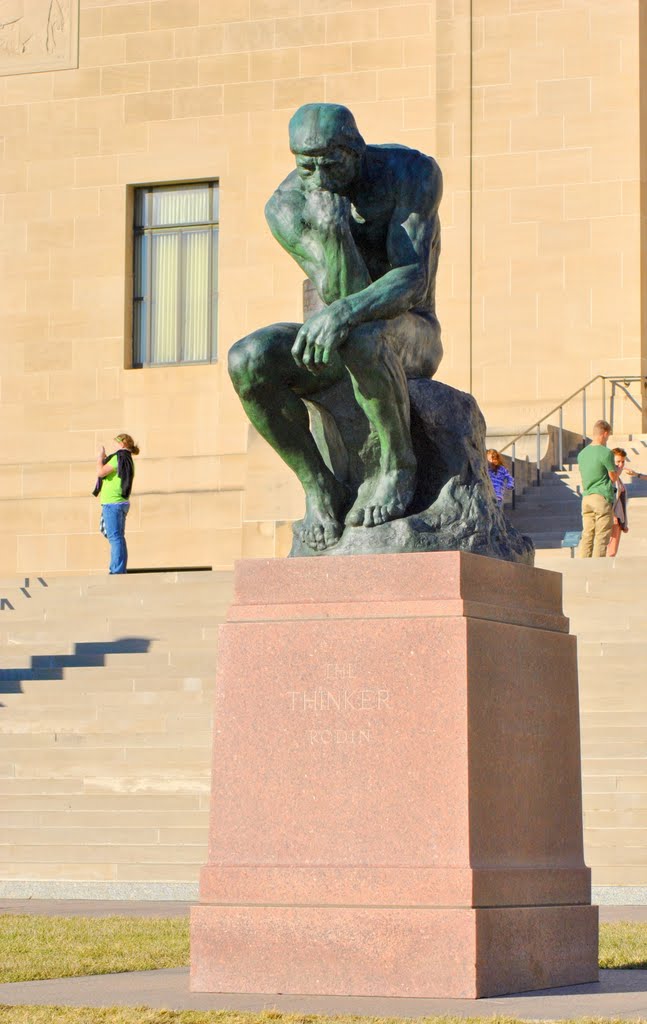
114, 517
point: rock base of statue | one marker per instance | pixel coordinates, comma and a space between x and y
396, 799
454, 508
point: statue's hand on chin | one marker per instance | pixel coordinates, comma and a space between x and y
326, 212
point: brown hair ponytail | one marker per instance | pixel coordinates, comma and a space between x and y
128, 443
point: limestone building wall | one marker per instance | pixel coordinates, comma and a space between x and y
531, 108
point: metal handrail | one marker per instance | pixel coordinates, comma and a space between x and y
621, 382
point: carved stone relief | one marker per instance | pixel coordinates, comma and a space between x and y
38, 35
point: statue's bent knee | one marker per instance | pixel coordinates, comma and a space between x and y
246, 361
366, 343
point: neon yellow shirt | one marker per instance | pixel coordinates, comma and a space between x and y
111, 486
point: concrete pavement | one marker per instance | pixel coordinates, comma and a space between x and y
619, 994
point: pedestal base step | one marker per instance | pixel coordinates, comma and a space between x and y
384, 951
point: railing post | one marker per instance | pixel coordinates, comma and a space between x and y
584, 413
560, 448
612, 404
604, 398
514, 473
538, 455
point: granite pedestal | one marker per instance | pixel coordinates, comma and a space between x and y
396, 804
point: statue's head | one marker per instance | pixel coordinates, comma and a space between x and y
327, 146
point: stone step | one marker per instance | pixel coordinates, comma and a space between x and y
551, 500
100, 819
618, 875
143, 854
19, 742
118, 867
52, 693
29, 803
60, 609
544, 528
622, 646
604, 850
140, 669
544, 539
24, 652
30, 762
46, 689
620, 748
190, 662
606, 703
11, 787
41, 693
613, 801
124, 778
616, 627
630, 818
613, 720
96, 625
78, 800
600, 784
606, 639
147, 718
128, 658
89, 836
90, 583
634, 765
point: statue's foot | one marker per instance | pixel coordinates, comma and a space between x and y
323, 525
383, 498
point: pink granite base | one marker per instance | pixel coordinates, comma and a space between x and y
457, 953
396, 805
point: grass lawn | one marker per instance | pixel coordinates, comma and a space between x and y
117, 1015
623, 945
33, 947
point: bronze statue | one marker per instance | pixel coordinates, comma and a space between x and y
362, 222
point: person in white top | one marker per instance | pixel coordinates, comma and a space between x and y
620, 519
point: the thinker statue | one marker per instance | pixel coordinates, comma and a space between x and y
362, 222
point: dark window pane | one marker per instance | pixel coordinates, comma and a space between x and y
141, 196
139, 333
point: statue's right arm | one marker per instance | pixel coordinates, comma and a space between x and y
314, 227
284, 216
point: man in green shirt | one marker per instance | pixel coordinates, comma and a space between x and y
598, 471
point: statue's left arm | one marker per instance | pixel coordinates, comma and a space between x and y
412, 234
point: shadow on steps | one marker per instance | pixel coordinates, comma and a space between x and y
86, 655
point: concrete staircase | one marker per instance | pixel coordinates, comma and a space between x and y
105, 715
606, 600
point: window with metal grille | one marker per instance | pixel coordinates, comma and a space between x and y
175, 274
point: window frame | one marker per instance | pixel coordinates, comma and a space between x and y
142, 301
